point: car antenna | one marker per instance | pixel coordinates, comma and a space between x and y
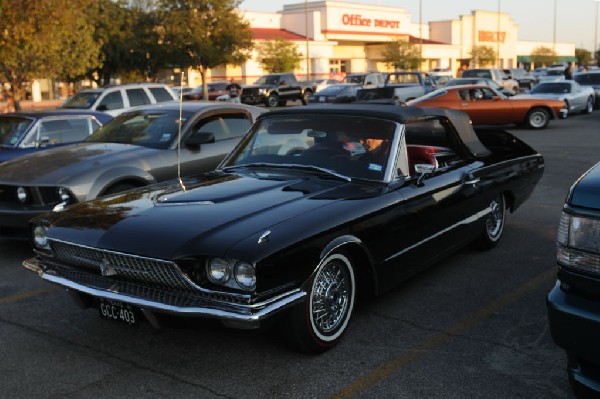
179, 123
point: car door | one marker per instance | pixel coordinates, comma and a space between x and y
289, 88
435, 213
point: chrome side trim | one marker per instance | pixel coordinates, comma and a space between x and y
470, 219
252, 314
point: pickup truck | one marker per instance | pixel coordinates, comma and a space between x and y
276, 89
401, 87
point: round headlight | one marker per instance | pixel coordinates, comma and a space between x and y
63, 194
39, 237
218, 271
245, 275
22, 194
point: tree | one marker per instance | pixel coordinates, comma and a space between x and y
544, 56
204, 34
401, 54
583, 56
482, 56
278, 55
44, 38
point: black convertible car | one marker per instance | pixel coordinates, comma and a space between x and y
316, 208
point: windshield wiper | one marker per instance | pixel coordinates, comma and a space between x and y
311, 168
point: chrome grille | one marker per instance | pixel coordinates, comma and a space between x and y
109, 263
151, 293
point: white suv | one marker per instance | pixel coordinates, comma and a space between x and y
495, 74
116, 99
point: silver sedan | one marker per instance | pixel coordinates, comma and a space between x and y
577, 98
137, 148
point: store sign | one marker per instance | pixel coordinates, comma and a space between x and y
358, 20
492, 36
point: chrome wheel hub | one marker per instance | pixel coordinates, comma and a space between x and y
331, 295
495, 221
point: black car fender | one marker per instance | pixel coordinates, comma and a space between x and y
361, 256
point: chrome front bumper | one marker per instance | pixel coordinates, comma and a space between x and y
236, 315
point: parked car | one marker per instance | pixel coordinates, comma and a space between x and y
26, 132
486, 106
215, 90
524, 77
135, 149
590, 79
551, 75
537, 72
320, 84
497, 75
276, 89
338, 93
575, 97
574, 302
368, 80
481, 81
179, 90
317, 208
115, 99
401, 87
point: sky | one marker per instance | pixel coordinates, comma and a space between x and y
575, 19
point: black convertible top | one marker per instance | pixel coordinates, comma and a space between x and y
459, 119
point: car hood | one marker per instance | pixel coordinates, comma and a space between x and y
56, 165
210, 214
585, 192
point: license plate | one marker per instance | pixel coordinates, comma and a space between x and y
114, 310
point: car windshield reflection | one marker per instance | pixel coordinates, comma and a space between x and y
353, 147
154, 130
82, 100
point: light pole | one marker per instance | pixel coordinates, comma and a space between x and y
498, 39
595, 49
554, 31
306, 29
421, 32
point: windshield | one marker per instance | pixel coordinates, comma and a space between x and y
358, 79
148, 129
554, 72
588, 78
476, 73
12, 130
356, 147
82, 100
545, 88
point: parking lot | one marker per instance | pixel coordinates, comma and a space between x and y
472, 326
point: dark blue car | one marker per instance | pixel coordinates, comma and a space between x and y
26, 132
574, 302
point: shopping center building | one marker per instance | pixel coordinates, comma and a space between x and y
341, 37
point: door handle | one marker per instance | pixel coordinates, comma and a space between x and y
471, 181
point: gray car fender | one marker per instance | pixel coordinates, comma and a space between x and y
116, 175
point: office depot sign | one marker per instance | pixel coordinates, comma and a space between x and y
358, 20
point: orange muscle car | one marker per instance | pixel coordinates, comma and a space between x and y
486, 106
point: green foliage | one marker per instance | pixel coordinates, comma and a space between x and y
45, 38
543, 56
278, 55
203, 34
482, 56
583, 56
401, 54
